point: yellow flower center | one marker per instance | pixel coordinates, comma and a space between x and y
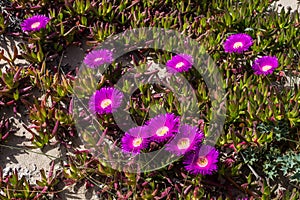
35, 24
266, 68
98, 59
183, 143
237, 45
105, 103
179, 65
162, 131
202, 161
137, 142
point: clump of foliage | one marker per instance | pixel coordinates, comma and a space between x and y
14, 187
5, 129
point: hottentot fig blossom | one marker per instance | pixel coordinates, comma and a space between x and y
238, 43
34, 23
188, 138
265, 65
179, 63
105, 101
97, 58
204, 161
134, 140
162, 127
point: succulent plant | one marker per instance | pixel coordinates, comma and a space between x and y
262, 117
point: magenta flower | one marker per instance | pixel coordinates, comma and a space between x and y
237, 43
162, 127
34, 23
106, 100
180, 63
134, 140
265, 65
188, 138
97, 58
204, 161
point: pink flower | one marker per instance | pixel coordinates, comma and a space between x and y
106, 100
188, 138
265, 65
34, 23
97, 58
204, 161
237, 43
180, 63
162, 127
134, 140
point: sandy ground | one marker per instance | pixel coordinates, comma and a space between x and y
289, 3
15, 155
